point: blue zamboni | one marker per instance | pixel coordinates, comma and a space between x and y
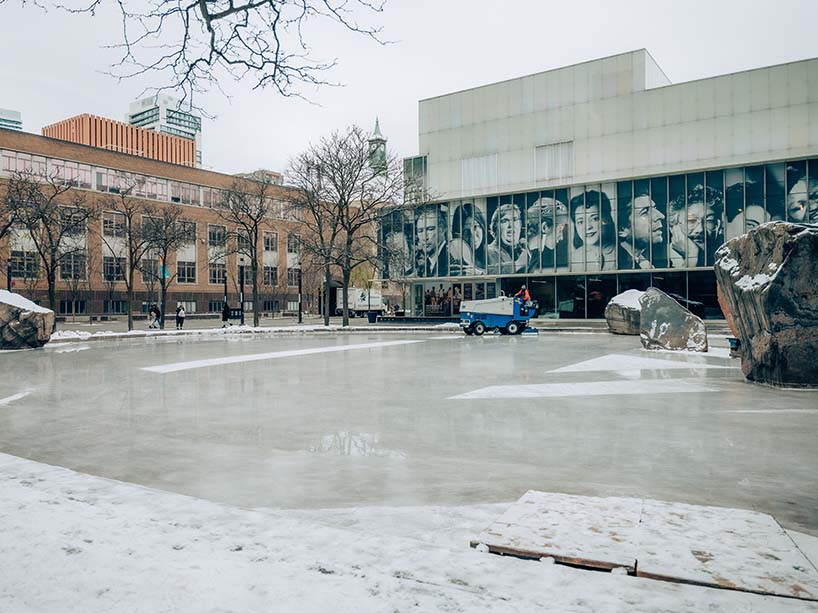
506, 314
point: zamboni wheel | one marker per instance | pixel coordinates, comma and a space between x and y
479, 328
513, 328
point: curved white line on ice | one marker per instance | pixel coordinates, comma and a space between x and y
9, 399
254, 357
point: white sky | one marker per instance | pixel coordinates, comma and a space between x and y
53, 63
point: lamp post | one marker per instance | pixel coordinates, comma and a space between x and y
241, 291
300, 319
8, 277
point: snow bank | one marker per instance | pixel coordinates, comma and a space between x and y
18, 301
73, 542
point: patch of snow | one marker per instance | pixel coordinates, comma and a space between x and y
747, 283
729, 264
629, 298
74, 542
18, 301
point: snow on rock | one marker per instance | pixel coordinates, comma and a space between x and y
74, 542
767, 290
623, 312
23, 324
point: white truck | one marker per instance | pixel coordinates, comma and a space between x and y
361, 301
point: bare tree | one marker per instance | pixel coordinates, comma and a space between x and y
166, 232
319, 216
123, 232
56, 217
344, 195
246, 207
192, 44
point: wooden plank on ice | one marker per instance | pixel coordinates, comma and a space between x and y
720, 547
577, 530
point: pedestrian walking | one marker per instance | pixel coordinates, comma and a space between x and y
153, 316
225, 316
180, 316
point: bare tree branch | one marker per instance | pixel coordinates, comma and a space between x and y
192, 45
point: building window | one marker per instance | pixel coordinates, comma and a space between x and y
292, 305
270, 242
116, 307
215, 306
113, 269
186, 272
216, 236
270, 306
248, 275
216, 272
72, 266
270, 276
72, 307
188, 231
113, 224
149, 267
292, 277
293, 243
242, 241
24, 264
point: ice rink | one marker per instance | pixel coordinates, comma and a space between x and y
306, 421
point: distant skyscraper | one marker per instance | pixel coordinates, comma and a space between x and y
163, 113
11, 120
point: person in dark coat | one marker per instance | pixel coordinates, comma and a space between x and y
225, 315
180, 316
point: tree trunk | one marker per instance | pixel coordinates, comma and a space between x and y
52, 296
162, 302
254, 270
327, 282
129, 300
345, 298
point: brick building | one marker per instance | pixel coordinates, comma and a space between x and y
125, 138
198, 267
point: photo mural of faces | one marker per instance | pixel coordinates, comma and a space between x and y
675, 221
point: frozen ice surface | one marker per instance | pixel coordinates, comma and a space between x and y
375, 427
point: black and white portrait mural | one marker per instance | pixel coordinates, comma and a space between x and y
655, 223
469, 234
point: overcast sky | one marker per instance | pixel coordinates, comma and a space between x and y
54, 63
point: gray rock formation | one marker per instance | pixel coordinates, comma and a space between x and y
666, 324
23, 324
624, 312
768, 281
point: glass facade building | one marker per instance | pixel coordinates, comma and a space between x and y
577, 243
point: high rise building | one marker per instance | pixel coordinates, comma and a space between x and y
114, 135
11, 120
163, 113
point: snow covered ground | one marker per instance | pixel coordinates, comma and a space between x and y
73, 542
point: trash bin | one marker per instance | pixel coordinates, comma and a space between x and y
372, 316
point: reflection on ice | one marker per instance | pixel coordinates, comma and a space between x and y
355, 444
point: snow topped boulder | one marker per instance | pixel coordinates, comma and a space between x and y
23, 324
768, 285
666, 324
623, 312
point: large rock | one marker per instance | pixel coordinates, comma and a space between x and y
623, 312
23, 324
768, 280
666, 324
